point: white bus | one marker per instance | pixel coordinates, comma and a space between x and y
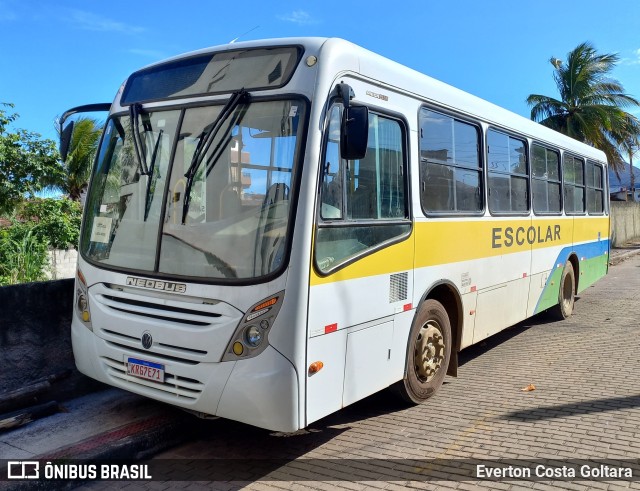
277, 229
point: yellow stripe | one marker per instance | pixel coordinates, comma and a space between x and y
441, 242
397, 257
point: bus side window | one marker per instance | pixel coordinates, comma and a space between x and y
546, 180
595, 188
574, 184
508, 173
450, 164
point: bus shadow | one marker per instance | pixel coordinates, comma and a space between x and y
225, 450
592, 406
472, 352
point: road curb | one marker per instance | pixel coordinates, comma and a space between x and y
623, 256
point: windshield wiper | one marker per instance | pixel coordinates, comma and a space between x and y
152, 166
134, 113
239, 97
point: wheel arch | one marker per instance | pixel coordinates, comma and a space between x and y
448, 295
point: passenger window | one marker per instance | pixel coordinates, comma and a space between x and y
546, 180
450, 167
508, 173
362, 202
574, 188
595, 188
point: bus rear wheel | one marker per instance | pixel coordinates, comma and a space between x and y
428, 353
566, 295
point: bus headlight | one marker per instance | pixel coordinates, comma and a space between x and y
82, 300
251, 337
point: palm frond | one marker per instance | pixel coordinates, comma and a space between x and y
592, 105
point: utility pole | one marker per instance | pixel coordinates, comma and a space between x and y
632, 177
631, 145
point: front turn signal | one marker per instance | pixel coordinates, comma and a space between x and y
315, 367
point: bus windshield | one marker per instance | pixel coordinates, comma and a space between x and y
199, 192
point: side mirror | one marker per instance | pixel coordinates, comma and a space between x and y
65, 140
67, 131
354, 134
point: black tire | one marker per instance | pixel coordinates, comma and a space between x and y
566, 294
429, 342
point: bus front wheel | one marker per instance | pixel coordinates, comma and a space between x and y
566, 295
428, 353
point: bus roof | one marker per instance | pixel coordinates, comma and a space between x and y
392, 74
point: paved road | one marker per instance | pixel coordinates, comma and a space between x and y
586, 405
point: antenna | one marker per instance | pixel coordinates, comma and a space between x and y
244, 34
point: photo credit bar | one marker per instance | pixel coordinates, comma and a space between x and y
78, 470
321, 469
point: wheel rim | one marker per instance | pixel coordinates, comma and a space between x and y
429, 351
567, 294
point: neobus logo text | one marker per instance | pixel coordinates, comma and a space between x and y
165, 286
508, 236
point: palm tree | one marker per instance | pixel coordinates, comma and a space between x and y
77, 165
591, 105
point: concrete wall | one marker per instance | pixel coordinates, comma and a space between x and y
62, 264
35, 337
625, 222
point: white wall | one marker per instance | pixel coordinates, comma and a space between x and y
62, 264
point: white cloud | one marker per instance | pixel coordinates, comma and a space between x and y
92, 22
299, 17
633, 60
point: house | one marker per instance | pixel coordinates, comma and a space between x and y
620, 184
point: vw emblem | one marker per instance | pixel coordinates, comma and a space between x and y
147, 340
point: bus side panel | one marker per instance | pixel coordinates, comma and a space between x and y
352, 310
368, 362
324, 388
548, 261
589, 243
477, 256
500, 306
593, 236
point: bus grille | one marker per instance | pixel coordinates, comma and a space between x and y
151, 353
158, 311
180, 387
188, 330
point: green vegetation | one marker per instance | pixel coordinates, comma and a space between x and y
592, 105
27, 162
23, 256
76, 169
36, 226
31, 226
56, 221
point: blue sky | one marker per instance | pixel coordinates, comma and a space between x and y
56, 55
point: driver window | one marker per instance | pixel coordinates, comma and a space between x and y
363, 202
333, 172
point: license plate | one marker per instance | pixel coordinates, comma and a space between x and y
145, 369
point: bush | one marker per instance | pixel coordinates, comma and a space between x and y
54, 220
36, 225
23, 255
